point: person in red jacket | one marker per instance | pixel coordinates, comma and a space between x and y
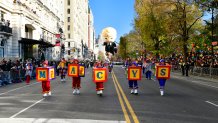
46, 88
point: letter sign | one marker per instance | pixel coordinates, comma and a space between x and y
73, 70
163, 72
82, 71
100, 74
134, 73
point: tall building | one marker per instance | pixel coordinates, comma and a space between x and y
35, 24
91, 35
76, 28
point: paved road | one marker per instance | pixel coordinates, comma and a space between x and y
187, 100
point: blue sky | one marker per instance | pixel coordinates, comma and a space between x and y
114, 13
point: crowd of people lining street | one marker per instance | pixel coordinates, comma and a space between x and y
16, 71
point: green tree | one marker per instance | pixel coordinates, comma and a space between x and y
185, 15
101, 56
123, 47
150, 23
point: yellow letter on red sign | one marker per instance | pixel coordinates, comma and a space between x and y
99, 74
134, 73
163, 72
73, 70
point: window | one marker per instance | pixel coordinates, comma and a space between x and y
68, 2
68, 19
68, 27
68, 36
68, 11
68, 52
68, 44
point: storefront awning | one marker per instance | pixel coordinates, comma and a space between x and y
32, 42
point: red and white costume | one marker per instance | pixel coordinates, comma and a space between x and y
46, 88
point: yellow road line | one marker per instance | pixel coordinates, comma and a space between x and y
121, 102
134, 117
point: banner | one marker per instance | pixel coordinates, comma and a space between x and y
73, 70
134, 73
100, 74
163, 72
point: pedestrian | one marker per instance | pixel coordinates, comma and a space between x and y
182, 64
133, 84
29, 68
76, 81
162, 81
46, 88
187, 66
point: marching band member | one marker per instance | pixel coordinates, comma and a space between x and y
62, 69
76, 80
46, 89
29, 68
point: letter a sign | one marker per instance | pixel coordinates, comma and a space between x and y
100, 74
163, 72
134, 73
73, 70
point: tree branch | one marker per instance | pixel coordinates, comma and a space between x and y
194, 22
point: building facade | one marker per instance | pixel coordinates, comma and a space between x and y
76, 28
91, 36
35, 24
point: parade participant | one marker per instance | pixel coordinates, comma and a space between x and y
148, 69
76, 80
99, 85
110, 67
162, 81
46, 89
29, 68
133, 84
108, 36
62, 69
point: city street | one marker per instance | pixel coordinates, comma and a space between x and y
186, 100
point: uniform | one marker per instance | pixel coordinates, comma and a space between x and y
46, 88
